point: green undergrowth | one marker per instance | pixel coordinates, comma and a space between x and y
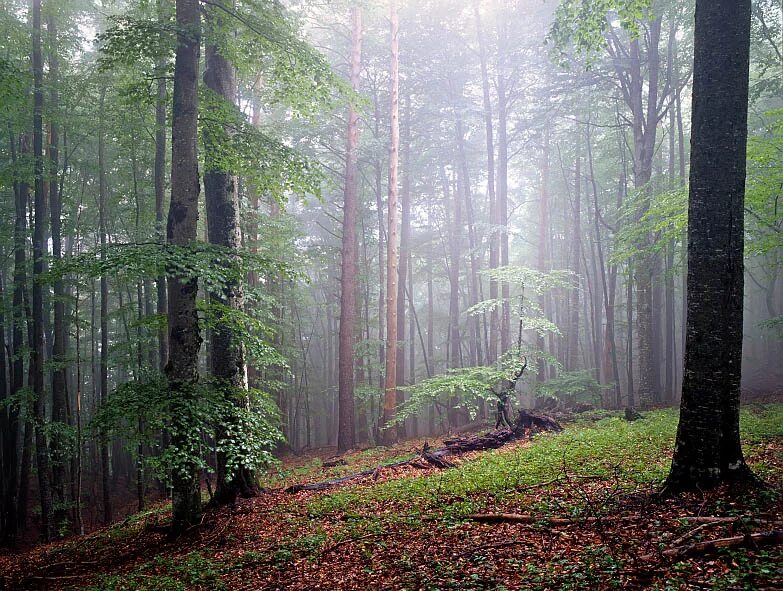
615, 454
354, 462
194, 572
632, 455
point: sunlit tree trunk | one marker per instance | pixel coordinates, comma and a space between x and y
707, 449
392, 248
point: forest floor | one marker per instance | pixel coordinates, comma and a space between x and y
590, 520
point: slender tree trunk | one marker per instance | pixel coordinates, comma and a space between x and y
707, 449
59, 378
477, 353
346, 430
381, 232
104, 311
159, 175
39, 252
576, 250
184, 335
10, 434
392, 254
494, 220
608, 296
403, 271
542, 261
502, 196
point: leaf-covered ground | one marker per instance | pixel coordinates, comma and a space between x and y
409, 528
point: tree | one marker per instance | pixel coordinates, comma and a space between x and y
227, 354
39, 246
346, 429
184, 334
392, 236
707, 449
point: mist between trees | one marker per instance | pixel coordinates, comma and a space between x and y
235, 229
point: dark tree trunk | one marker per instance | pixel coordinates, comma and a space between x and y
184, 334
39, 252
160, 198
10, 432
346, 428
104, 312
59, 377
707, 449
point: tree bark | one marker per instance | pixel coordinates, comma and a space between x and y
104, 310
494, 221
184, 334
707, 449
392, 249
39, 252
346, 430
59, 377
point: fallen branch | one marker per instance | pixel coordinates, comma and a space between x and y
526, 425
769, 538
527, 518
359, 539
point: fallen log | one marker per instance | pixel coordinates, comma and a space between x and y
526, 425
769, 538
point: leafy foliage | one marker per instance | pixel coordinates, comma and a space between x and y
583, 24
140, 410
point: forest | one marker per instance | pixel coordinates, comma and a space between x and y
391, 294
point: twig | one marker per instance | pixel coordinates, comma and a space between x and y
769, 538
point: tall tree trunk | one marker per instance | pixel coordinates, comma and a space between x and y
494, 220
477, 354
454, 223
542, 261
346, 430
707, 449
104, 312
392, 254
7, 447
606, 289
645, 123
404, 270
184, 335
39, 252
10, 433
576, 253
502, 196
159, 175
59, 378
381, 232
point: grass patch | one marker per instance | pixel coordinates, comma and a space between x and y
637, 453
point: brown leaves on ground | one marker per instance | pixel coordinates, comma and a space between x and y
275, 542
